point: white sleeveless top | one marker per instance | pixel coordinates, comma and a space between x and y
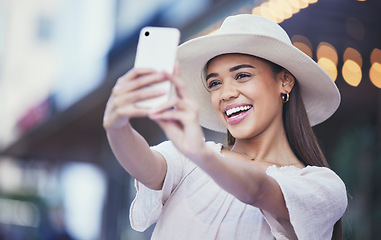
192, 206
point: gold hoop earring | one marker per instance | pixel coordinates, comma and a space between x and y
285, 97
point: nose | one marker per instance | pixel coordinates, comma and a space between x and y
228, 91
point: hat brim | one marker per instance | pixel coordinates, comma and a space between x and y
319, 93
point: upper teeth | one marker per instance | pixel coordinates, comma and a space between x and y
237, 109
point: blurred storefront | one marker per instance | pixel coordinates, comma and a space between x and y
60, 59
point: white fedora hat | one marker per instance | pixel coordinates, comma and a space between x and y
257, 36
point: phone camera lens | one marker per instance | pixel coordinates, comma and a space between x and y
146, 33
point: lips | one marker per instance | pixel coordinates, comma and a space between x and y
236, 113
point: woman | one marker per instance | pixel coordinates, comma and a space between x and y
271, 180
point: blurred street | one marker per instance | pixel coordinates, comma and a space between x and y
59, 60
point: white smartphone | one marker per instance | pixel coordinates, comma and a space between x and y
157, 49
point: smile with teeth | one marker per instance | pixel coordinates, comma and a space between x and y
235, 111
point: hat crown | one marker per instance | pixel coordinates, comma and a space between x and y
253, 25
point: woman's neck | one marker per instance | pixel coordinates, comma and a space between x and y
271, 146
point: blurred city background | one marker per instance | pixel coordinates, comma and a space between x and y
59, 60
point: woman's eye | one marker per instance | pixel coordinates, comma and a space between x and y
213, 84
242, 75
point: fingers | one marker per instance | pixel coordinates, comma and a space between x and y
138, 95
136, 79
177, 81
133, 86
118, 115
181, 104
136, 72
129, 89
183, 110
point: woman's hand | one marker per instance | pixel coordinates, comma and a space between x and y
179, 120
128, 90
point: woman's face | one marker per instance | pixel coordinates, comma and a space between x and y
245, 94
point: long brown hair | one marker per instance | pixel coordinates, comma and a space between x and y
300, 136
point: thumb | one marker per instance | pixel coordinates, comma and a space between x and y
176, 70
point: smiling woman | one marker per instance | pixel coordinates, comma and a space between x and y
271, 179
241, 82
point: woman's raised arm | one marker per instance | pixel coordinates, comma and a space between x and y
130, 148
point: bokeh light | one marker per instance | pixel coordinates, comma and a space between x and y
354, 55
303, 44
295, 5
286, 8
279, 10
375, 56
375, 74
327, 59
329, 66
266, 12
352, 73
326, 50
303, 3
355, 28
375, 69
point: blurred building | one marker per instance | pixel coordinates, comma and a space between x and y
60, 59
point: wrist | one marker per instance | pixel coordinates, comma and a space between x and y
118, 129
110, 125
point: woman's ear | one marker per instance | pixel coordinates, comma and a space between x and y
287, 81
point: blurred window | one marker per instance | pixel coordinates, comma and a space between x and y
45, 28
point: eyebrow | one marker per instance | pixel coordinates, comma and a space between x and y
211, 75
235, 68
